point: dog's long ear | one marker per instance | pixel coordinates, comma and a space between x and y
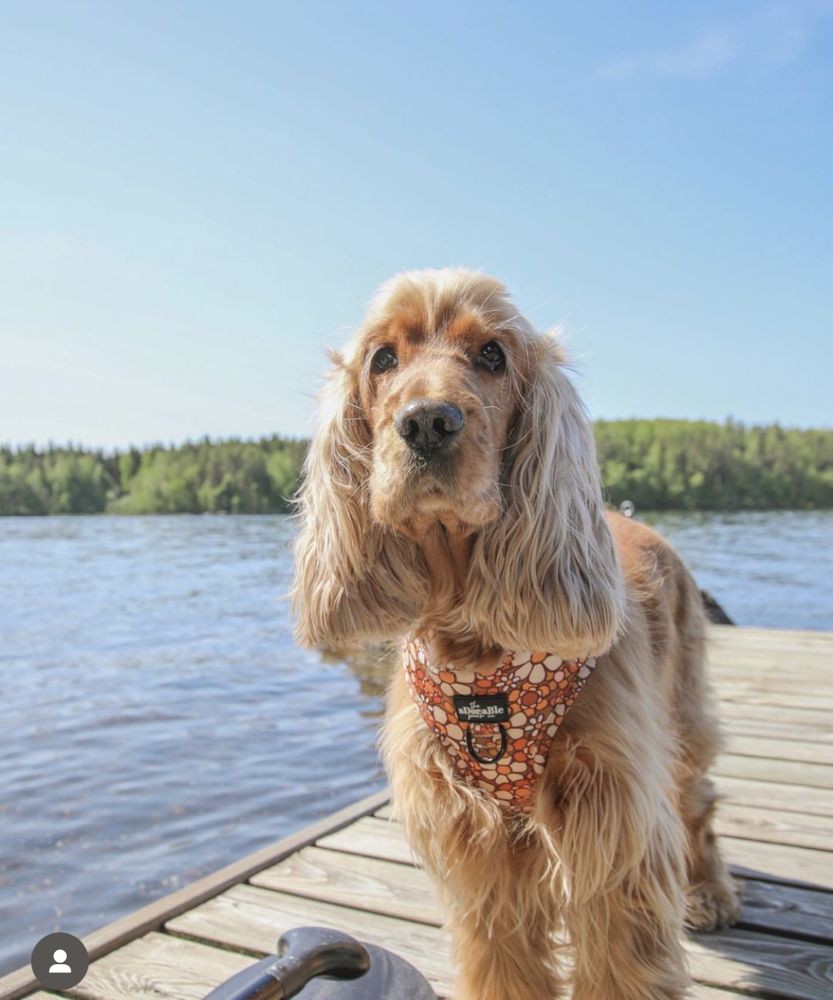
546, 575
354, 579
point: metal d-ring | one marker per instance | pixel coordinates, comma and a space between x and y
487, 760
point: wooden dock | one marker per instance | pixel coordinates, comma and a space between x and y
354, 871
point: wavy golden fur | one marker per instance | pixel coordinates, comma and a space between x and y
452, 490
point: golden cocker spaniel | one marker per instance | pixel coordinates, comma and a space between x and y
548, 740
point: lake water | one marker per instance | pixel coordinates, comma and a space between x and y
157, 721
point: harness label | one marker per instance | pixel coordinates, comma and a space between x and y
482, 708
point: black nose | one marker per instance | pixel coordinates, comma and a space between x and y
425, 425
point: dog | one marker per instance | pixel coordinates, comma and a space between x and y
557, 798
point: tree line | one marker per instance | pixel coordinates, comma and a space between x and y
656, 464
203, 477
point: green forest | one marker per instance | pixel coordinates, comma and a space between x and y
657, 464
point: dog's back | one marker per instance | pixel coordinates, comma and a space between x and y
669, 598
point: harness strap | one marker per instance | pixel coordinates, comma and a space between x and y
497, 729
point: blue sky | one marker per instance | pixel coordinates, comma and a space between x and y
196, 198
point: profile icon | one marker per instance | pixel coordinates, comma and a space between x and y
59, 962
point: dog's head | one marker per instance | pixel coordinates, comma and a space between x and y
448, 413
438, 370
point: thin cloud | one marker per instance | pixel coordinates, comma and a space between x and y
773, 35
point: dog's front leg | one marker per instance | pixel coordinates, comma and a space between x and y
624, 854
517, 965
502, 916
499, 882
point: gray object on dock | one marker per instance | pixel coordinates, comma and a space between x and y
307, 953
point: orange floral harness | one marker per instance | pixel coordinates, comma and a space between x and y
497, 728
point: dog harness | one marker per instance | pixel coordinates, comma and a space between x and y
497, 729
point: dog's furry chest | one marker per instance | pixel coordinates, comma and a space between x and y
497, 729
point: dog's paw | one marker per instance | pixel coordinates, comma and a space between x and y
711, 905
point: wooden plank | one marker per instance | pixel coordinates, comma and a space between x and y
700, 992
247, 916
762, 964
784, 909
775, 826
730, 636
757, 694
812, 691
374, 838
152, 916
161, 967
789, 798
789, 772
805, 718
774, 673
744, 645
779, 862
353, 880
744, 651
780, 749
766, 729
769, 665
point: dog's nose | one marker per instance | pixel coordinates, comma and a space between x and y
425, 425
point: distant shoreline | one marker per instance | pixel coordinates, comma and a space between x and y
639, 514
659, 465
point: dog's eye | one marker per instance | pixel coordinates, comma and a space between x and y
384, 359
492, 357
